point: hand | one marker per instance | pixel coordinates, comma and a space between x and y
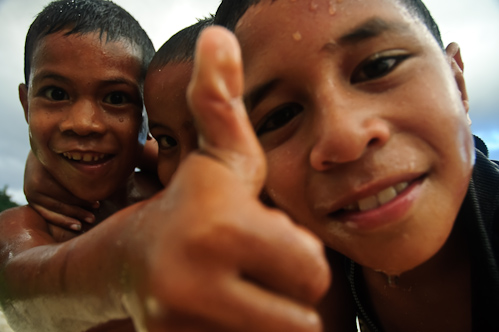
211, 256
53, 202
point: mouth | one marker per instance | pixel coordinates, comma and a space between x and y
375, 201
380, 199
90, 158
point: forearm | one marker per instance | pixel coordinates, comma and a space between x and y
70, 286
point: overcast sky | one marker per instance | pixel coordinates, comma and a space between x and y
474, 24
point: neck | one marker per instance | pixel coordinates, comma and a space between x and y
121, 198
435, 296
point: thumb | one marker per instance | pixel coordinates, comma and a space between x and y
215, 99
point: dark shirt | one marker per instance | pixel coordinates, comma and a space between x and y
480, 215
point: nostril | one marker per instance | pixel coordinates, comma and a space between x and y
373, 142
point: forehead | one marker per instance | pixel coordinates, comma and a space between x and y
298, 21
165, 89
86, 51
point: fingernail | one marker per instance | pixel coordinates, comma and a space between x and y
96, 205
76, 227
89, 220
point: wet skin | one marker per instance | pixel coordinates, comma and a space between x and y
170, 120
84, 109
353, 99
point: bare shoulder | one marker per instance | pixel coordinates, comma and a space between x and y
21, 216
22, 228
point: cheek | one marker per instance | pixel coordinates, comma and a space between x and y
285, 180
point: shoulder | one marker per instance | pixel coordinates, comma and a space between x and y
22, 228
20, 215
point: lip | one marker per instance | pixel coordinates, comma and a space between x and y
388, 213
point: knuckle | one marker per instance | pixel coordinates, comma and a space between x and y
211, 239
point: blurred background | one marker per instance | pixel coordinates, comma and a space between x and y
474, 24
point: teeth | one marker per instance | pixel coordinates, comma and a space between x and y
76, 156
88, 157
383, 197
401, 186
386, 195
352, 207
85, 157
368, 203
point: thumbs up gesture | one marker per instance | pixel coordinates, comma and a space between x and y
218, 259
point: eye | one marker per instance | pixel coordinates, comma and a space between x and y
279, 118
377, 66
117, 98
166, 142
55, 94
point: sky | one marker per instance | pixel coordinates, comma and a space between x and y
474, 24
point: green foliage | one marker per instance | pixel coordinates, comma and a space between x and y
5, 201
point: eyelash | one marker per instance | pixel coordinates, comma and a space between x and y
373, 64
272, 121
46, 93
166, 142
125, 98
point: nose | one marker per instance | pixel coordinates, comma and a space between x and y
84, 118
345, 134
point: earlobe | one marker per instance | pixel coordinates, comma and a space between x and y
23, 97
456, 62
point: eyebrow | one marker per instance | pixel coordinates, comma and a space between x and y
186, 125
255, 96
54, 76
49, 75
371, 28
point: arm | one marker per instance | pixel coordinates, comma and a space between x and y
45, 284
57, 205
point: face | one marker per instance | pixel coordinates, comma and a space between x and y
170, 121
362, 123
84, 109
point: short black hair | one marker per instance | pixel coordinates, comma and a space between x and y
86, 16
230, 12
181, 46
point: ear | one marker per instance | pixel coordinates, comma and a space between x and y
23, 97
453, 53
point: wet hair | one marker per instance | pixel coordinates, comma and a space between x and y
87, 16
181, 46
230, 12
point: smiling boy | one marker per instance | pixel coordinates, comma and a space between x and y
363, 118
83, 100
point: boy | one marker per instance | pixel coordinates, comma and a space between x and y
85, 113
153, 260
363, 119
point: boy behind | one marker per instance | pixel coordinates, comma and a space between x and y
363, 118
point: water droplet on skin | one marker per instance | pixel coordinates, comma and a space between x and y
297, 36
121, 119
332, 7
393, 281
313, 5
